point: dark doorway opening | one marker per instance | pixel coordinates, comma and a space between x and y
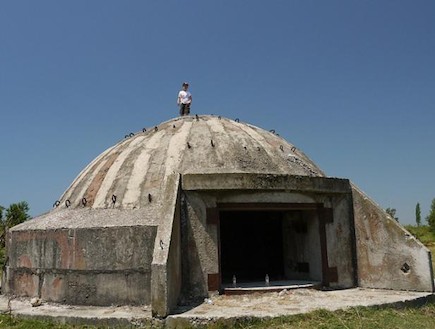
251, 245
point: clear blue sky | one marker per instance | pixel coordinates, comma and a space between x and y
350, 82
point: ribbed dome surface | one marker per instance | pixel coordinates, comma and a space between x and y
134, 170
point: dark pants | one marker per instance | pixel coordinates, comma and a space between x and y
184, 109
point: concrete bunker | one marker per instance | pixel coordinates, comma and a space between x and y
171, 213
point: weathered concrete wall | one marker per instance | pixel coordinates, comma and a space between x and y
259, 181
340, 236
166, 263
99, 266
201, 246
301, 244
388, 256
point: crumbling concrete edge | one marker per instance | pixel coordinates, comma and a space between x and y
261, 181
179, 322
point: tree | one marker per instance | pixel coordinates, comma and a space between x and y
17, 213
392, 213
431, 217
2, 227
418, 214
14, 215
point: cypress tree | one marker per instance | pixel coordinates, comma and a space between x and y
418, 214
431, 217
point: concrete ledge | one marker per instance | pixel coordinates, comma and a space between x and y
247, 181
111, 316
230, 310
225, 309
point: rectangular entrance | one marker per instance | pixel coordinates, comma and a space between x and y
284, 244
251, 245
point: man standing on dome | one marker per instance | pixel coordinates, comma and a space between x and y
184, 99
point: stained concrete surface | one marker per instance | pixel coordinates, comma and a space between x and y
220, 307
92, 315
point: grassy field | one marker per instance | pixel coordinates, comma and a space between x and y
361, 318
426, 236
432, 249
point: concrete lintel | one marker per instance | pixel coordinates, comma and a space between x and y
249, 181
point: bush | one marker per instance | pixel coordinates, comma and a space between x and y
424, 233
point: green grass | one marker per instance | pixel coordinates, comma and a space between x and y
432, 249
353, 318
7, 321
426, 236
423, 233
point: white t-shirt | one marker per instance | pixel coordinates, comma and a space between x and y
184, 97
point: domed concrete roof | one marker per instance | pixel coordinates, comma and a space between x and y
134, 170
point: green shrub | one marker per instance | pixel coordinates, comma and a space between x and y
423, 233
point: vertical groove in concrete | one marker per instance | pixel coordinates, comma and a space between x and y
103, 197
271, 150
218, 133
176, 149
81, 184
95, 185
82, 178
273, 145
263, 158
104, 194
138, 173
